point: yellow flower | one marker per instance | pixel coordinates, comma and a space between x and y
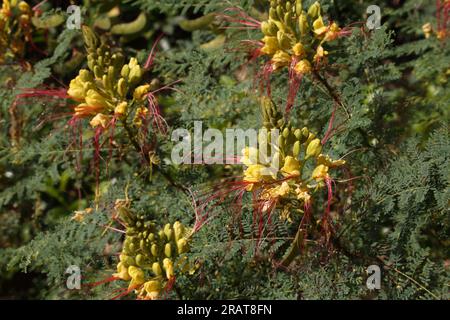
291, 167
121, 108
100, 120
427, 29
254, 173
95, 99
122, 272
141, 91
137, 276
320, 173
319, 28
270, 45
83, 110
303, 67
80, 85
168, 266
303, 194
152, 288
327, 161
79, 215
249, 156
332, 32
299, 50
283, 190
280, 59
320, 53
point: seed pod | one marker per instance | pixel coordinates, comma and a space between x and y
151, 237
298, 134
168, 250
154, 250
313, 149
161, 235
130, 27
156, 268
296, 149
286, 133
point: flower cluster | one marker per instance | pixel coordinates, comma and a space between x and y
294, 37
442, 18
110, 88
15, 29
286, 176
150, 257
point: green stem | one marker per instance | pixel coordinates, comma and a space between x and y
137, 147
295, 249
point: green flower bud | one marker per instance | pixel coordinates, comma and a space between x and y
314, 10
313, 149
168, 250
296, 149
125, 71
154, 250
122, 87
303, 24
156, 268
90, 39
298, 7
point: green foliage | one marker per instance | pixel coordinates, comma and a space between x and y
390, 206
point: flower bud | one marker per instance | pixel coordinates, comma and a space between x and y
314, 10
90, 39
296, 149
125, 71
303, 24
122, 87
154, 250
156, 268
141, 91
121, 108
182, 246
314, 148
168, 250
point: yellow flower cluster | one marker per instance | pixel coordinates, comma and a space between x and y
428, 31
284, 175
294, 35
149, 256
109, 87
15, 29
